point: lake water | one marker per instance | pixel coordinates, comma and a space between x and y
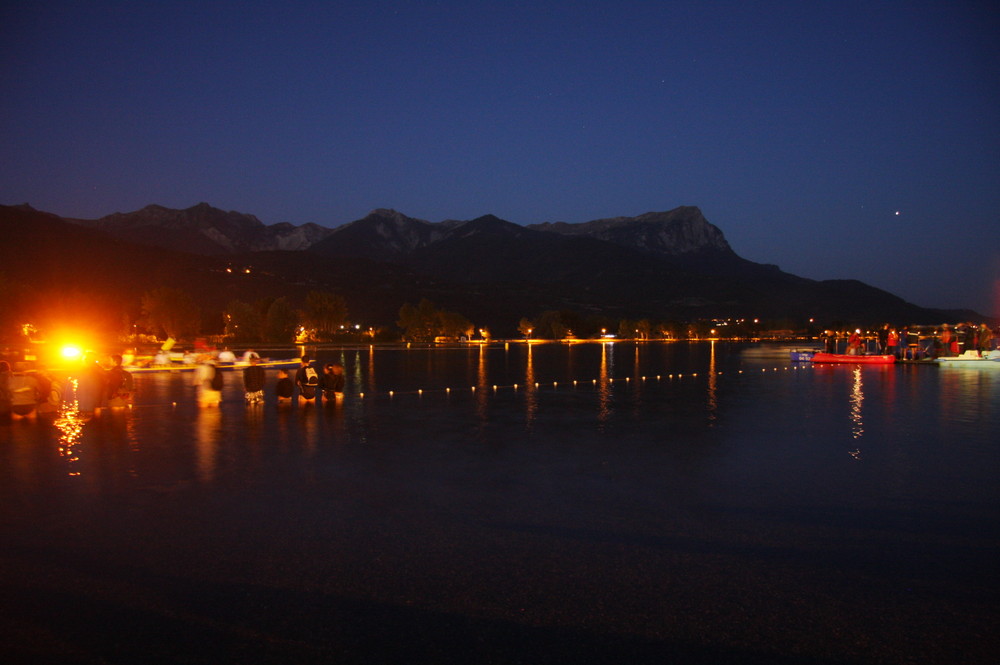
701, 502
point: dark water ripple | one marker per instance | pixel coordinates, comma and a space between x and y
678, 501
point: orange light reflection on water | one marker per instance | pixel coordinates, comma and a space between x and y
604, 383
713, 384
70, 426
530, 388
482, 385
857, 400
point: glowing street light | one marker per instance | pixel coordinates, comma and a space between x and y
71, 352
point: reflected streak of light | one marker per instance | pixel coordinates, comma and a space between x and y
207, 444
604, 384
637, 366
132, 437
857, 399
713, 380
482, 397
70, 426
531, 388
372, 387
357, 368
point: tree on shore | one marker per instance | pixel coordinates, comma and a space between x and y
551, 325
324, 312
170, 311
453, 324
418, 323
424, 322
526, 327
280, 322
243, 322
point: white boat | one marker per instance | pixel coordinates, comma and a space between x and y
971, 359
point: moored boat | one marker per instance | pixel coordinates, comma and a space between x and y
852, 359
183, 367
970, 359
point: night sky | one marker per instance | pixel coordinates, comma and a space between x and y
835, 139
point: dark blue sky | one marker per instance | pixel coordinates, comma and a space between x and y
800, 129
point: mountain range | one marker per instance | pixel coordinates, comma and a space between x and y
202, 229
660, 265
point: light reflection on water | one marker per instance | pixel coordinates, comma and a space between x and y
857, 401
968, 395
713, 383
604, 382
530, 388
207, 435
70, 426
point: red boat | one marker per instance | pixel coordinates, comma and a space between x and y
844, 358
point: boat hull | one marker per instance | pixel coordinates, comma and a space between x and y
971, 359
852, 360
178, 367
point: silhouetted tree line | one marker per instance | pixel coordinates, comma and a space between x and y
321, 316
171, 312
424, 322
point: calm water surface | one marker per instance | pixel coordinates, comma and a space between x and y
542, 503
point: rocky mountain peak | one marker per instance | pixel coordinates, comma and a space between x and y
683, 231
487, 224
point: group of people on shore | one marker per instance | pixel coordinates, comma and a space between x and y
915, 343
309, 385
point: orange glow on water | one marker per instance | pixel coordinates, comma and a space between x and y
70, 426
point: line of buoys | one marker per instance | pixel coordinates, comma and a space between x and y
495, 387
536, 384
